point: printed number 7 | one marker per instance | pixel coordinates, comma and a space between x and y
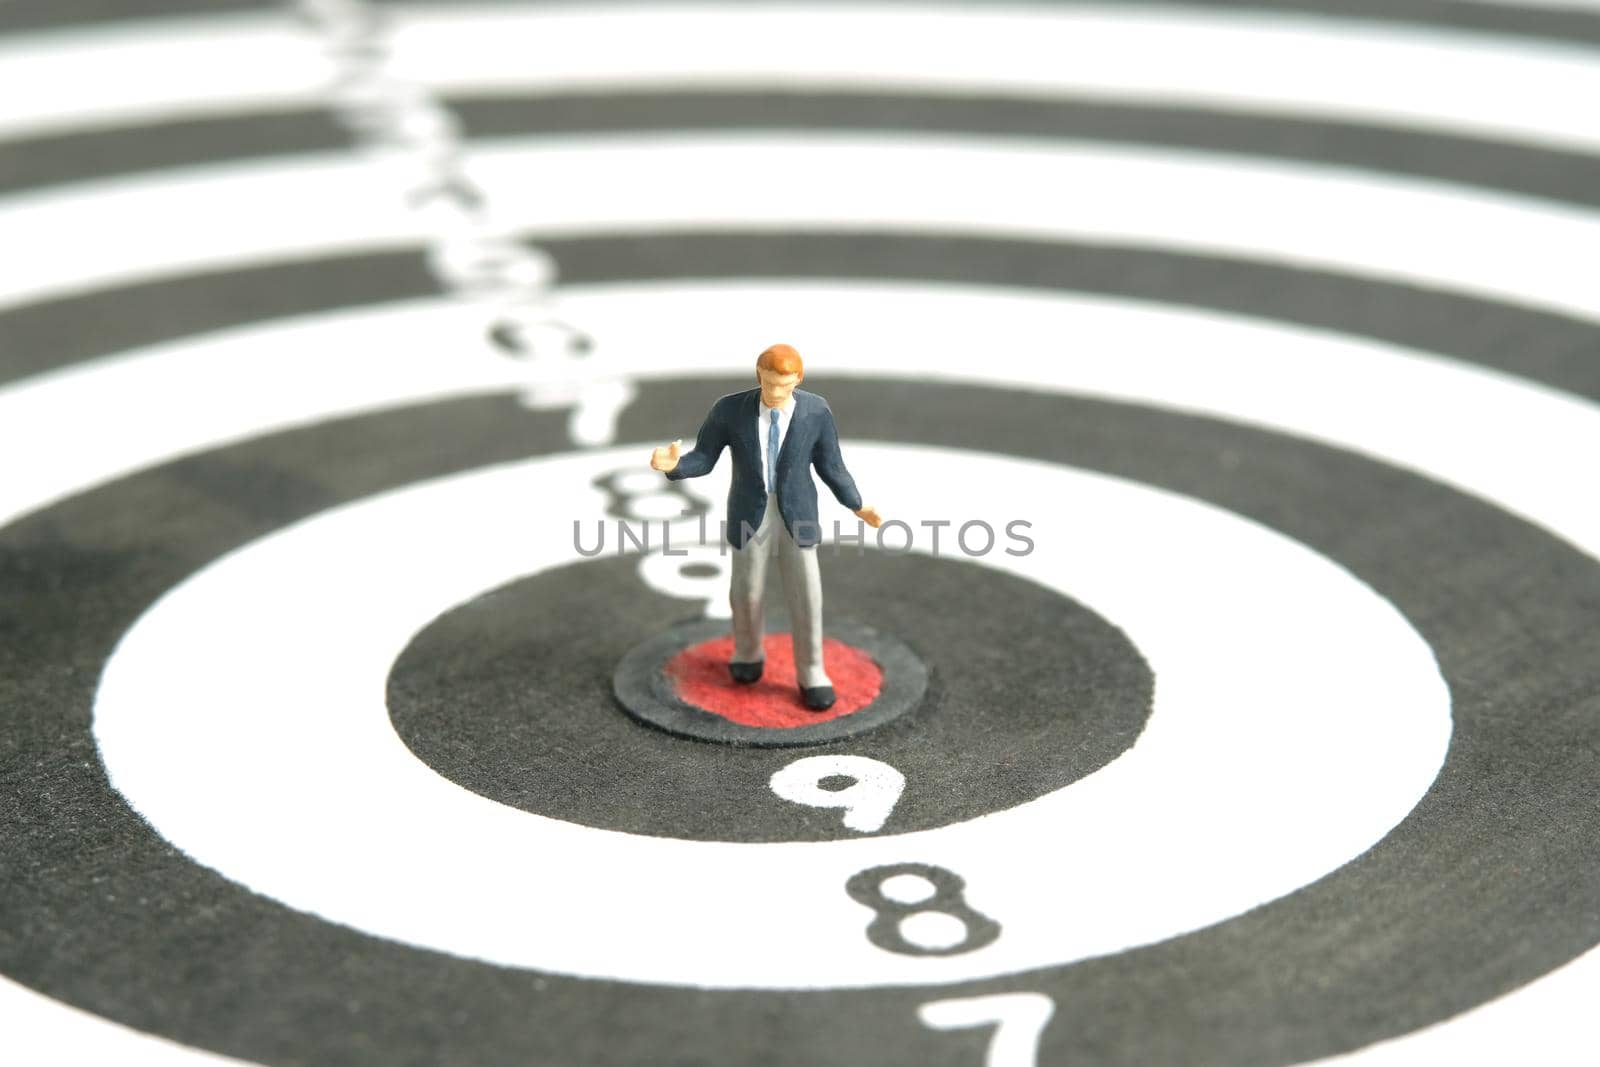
1019, 1019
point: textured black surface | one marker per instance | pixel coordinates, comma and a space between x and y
509, 695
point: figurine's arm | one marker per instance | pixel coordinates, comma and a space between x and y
708, 446
830, 464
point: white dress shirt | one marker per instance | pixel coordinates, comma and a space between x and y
764, 426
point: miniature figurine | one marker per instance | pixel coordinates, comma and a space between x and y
776, 434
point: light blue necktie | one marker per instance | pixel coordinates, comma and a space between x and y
772, 454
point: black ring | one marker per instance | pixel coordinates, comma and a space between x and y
1565, 175
1557, 350
1556, 25
1483, 587
497, 692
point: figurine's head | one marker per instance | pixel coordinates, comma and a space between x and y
779, 370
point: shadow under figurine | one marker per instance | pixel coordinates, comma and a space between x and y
776, 434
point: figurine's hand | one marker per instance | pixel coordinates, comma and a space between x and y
665, 459
870, 516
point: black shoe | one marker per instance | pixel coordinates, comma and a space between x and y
747, 673
817, 697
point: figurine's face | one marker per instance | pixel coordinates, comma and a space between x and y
776, 388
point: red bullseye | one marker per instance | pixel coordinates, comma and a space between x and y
699, 675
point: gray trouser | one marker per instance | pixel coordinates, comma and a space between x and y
802, 589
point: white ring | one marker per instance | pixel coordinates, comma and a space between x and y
258, 685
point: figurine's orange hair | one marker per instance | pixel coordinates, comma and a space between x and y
781, 359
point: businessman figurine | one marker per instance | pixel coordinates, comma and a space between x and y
776, 434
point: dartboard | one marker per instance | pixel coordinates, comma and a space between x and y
1229, 371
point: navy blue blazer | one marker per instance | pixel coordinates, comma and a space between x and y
812, 441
